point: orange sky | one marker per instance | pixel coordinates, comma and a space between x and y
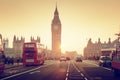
81, 20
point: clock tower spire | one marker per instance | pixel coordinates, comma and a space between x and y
56, 34
56, 19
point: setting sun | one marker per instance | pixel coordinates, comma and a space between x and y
63, 47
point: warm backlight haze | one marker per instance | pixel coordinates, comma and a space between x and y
80, 19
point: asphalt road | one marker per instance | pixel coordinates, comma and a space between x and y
69, 70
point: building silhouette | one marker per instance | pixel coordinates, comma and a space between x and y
0, 39
5, 43
32, 39
1, 43
16, 50
17, 46
93, 50
56, 34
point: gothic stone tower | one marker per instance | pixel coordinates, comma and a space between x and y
56, 34
17, 46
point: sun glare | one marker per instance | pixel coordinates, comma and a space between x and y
62, 47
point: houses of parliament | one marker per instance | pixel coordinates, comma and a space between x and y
93, 50
16, 50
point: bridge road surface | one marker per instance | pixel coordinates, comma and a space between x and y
69, 70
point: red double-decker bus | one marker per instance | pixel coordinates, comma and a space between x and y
116, 58
1, 59
1, 63
33, 53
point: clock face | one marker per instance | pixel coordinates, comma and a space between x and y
55, 27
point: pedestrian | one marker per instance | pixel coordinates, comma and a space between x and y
18, 60
12, 60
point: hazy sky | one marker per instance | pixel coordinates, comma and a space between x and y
81, 20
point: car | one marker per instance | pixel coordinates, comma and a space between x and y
105, 61
78, 59
63, 58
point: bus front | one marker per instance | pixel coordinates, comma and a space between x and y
29, 54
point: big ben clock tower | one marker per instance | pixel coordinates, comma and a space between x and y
56, 34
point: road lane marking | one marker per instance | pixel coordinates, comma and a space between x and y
82, 74
68, 67
67, 75
79, 71
66, 78
76, 67
99, 66
67, 71
24, 72
85, 78
107, 69
34, 72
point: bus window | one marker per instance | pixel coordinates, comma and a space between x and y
29, 53
116, 57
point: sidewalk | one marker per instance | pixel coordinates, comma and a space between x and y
7, 66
